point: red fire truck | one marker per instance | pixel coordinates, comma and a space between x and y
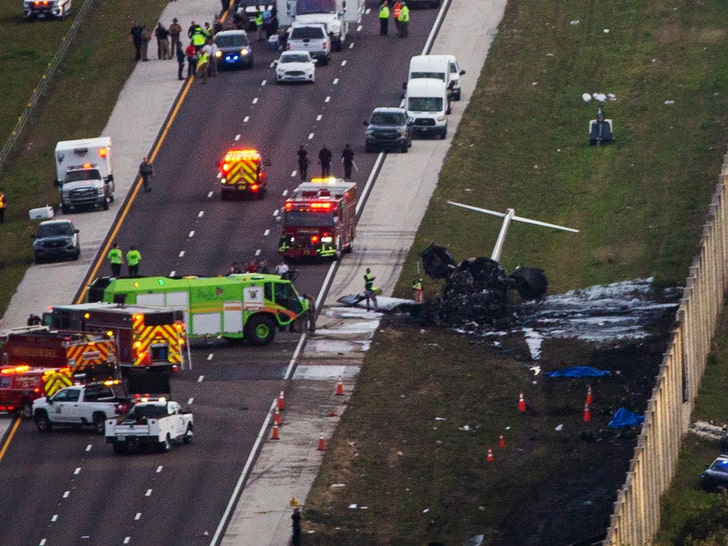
319, 219
242, 174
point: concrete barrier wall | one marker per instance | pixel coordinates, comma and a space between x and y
636, 516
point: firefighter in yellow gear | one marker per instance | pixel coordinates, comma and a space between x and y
133, 257
116, 259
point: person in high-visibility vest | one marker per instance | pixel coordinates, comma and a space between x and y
133, 257
417, 290
383, 18
203, 57
3, 206
259, 25
116, 259
403, 20
369, 290
396, 9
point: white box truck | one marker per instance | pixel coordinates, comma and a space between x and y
335, 15
84, 175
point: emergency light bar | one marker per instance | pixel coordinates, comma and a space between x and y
316, 206
327, 180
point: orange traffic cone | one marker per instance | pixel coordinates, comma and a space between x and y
277, 418
501, 441
281, 401
321, 443
588, 395
587, 413
490, 457
521, 403
340, 388
275, 435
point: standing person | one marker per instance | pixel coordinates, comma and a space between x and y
3, 206
417, 290
263, 267
34, 320
133, 257
311, 312
324, 156
146, 171
175, 29
258, 25
383, 18
135, 37
404, 18
302, 162
234, 269
203, 56
180, 62
116, 260
396, 8
191, 54
162, 35
282, 269
347, 158
369, 290
296, 527
146, 36
212, 62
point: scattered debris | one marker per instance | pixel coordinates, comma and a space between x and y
708, 429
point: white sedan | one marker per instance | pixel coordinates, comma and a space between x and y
295, 66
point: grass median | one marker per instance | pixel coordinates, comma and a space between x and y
402, 451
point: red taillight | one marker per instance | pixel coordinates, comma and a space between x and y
254, 187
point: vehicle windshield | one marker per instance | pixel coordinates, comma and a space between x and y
86, 174
433, 75
424, 104
295, 58
231, 40
309, 219
148, 411
721, 465
307, 33
304, 7
54, 230
387, 118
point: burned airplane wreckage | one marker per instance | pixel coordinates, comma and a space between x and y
476, 290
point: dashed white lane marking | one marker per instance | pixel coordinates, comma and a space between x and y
266, 233
257, 252
275, 212
209, 357
237, 137
148, 493
201, 213
88, 447
191, 234
318, 118
66, 494
171, 273
159, 469
137, 516
246, 119
294, 173
343, 63
327, 99
54, 518
126, 540
255, 100
77, 471
310, 136
181, 253
336, 80
351, 45
200, 379
189, 402
210, 194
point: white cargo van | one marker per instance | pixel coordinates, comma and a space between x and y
83, 173
441, 67
427, 104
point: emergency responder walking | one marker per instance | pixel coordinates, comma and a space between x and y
133, 257
116, 259
146, 171
403, 20
325, 161
417, 290
3, 206
347, 158
369, 291
383, 18
302, 162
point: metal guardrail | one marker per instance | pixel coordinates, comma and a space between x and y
42, 86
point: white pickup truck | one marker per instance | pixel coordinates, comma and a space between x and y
157, 423
80, 405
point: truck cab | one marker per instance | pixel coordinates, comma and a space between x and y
334, 15
46, 9
84, 175
427, 102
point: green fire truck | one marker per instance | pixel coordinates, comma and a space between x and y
249, 306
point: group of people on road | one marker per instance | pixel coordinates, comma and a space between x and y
251, 267
116, 260
400, 13
324, 158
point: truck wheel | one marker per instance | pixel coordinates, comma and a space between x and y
106, 203
165, 445
65, 209
187, 438
120, 449
99, 422
26, 409
42, 422
260, 330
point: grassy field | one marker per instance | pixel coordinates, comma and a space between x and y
640, 205
79, 102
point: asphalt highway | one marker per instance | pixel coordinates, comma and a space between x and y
67, 487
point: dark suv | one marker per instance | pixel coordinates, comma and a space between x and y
56, 239
233, 49
388, 128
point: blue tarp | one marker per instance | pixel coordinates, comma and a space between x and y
578, 371
624, 418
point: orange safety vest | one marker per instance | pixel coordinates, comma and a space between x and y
2, 200
397, 9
